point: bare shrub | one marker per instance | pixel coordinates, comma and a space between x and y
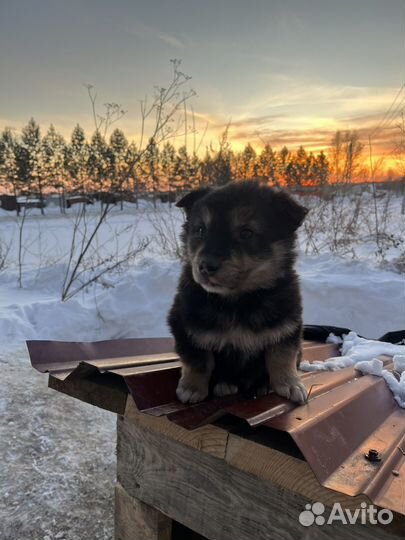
90, 259
348, 219
164, 113
166, 223
4, 254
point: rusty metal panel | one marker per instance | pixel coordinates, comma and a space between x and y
346, 416
47, 355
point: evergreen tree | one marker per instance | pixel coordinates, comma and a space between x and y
30, 159
267, 165
283, 160
99, 163
182, 170
222, 162
248, 164
320, 170
194, 178
119, 161
207, 169
297, 171
9, 170
303, 165
132, 164
77, 157
168, 166
149, 167
53, 158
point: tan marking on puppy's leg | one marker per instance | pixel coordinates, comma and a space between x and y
225, 389
281, 364
194, 384
299, 357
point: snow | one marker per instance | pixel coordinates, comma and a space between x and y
133, 303
58, 467
352, 295
361, 353
60, 451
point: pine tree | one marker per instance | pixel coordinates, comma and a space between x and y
267, 165
302, 166
149, 168
134, 174
77, 157
283, 160
9, 170
99, 163
53, 158
119, 161
222, 162
320, 170
195, 177
207, 169
30, 158
168, 166
181, 178
248, 162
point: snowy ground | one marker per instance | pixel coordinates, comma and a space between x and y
57, 467
58, 462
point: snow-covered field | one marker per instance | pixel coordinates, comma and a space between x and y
57, 453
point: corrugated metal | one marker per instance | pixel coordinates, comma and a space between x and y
347, 414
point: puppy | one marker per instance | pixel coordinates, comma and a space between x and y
237, 314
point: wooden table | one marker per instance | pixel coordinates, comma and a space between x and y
228, 480
211, 483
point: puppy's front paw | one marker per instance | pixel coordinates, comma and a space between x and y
292, 389
188, 392
225, 389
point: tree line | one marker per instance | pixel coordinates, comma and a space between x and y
32, 163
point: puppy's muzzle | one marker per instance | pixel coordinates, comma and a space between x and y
208, 266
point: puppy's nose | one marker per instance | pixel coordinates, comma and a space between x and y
209, 265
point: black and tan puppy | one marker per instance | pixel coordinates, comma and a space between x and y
237, 314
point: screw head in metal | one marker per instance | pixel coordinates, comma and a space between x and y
373, 455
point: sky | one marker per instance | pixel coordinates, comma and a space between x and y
278, 71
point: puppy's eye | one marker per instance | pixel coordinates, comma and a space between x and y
199, 230
246, 233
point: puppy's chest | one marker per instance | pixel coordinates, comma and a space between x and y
248, 327
237, 337
248, 340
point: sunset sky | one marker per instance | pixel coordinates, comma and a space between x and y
281, 71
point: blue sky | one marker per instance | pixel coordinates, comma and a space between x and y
281, 71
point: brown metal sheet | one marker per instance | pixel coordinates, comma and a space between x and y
347, 414
336, 430
45, 355
109, 364
193, 416
337, 421
254, 411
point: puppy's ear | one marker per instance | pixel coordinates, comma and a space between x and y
288, 212
188, 201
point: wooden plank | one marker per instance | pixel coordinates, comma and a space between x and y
288, 473
264, 462
111, 396
135, 520
213, 497
209, 439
